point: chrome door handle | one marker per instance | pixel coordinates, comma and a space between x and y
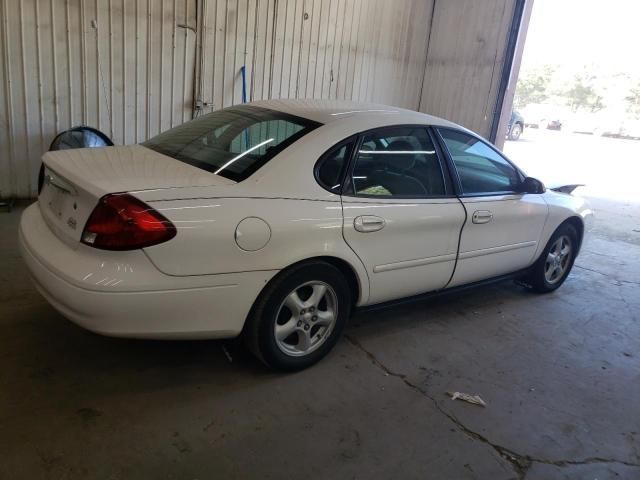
368, 223
481, 216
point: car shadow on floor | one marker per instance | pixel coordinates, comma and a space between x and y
63, 348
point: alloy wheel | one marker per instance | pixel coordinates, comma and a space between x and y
558, 259
306, 318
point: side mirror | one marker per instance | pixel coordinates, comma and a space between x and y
532, 185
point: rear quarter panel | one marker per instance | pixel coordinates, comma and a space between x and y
206, 243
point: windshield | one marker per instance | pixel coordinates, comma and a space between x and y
233, 142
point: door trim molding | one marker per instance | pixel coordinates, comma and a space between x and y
418, 262
499, 249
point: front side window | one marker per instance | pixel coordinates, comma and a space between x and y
397, 162
233, 142
480, 168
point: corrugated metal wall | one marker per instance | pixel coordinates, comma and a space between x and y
133, 68
353, 49
123, 66
464, 62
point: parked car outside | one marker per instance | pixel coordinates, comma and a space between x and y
515, 126
554, 125
275, 220
546, 117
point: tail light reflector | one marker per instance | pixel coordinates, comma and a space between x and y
122, 222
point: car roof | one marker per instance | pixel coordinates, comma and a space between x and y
331, 111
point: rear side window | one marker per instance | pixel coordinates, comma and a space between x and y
397, 162
330, 170
233, 142
481, 169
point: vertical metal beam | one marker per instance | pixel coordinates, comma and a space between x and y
510, 70
199, 53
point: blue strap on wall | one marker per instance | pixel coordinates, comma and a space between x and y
243, 72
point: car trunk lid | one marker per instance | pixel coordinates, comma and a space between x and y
76, 179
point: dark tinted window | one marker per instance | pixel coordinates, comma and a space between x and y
481, 169
233, 142
331, 167
398, 161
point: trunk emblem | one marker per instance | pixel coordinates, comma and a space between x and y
50, 180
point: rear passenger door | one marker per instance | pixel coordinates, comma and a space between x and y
503, 225
401, 216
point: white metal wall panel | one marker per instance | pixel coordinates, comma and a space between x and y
372, 50
128, 67
123, 66
464, 61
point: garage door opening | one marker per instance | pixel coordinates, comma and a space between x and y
576, 112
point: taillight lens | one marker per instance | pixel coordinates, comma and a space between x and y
122, 222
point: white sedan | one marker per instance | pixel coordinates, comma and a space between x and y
276, 219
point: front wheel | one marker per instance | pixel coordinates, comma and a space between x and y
299, 317
515, 132
553, 267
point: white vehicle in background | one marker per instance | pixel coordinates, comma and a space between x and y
626, 128
274, 220
606, 123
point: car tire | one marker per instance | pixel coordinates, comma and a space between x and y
553, 266
299, 316
515, 132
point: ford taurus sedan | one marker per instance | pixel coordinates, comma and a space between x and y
274, 220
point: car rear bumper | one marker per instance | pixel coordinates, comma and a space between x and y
122, 294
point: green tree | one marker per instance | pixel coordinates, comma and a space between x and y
582, 95
533, 87
633, 101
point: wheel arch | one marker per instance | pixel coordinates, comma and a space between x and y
349, 273
348, 270
578, 224
557, 219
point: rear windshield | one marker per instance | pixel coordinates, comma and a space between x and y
233, 142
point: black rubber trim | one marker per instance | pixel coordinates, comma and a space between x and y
345, 167
444, 291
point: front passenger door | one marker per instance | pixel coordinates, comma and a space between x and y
400, 217
503, 226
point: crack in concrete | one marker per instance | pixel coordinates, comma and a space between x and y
606, 275
620, 282
520, 463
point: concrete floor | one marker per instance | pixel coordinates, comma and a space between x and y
560, 374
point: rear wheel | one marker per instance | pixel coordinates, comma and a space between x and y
299, 317
553, 267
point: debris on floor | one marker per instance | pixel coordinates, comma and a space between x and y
475, 399
227, 354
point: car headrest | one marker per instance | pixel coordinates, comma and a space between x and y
399, 161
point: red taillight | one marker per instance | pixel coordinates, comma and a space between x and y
122, 222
